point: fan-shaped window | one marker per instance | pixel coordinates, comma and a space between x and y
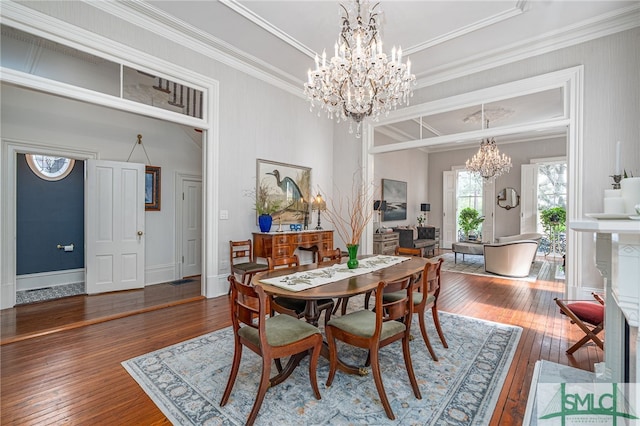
49, 167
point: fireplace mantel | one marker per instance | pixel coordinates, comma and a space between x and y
618, 259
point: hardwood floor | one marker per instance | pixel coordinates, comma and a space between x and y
37, 319
74, 376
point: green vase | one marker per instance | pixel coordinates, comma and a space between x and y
352, 263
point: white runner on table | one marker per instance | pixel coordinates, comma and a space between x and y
299, 281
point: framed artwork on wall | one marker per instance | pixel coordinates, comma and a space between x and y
152, 188
285, 189
394, 192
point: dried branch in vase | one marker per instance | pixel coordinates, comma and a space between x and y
350, 215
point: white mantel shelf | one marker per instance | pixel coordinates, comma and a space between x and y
618, 259
606, 226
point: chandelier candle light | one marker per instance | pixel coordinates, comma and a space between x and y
488, 162
359, 81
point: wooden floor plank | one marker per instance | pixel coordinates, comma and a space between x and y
74, 376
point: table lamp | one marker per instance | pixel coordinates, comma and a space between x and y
425, 207
318, 204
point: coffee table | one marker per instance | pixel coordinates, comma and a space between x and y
466, 248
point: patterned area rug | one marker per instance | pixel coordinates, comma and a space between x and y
187, 380
474, 264
49, 293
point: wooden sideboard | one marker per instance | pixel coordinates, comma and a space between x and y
385, 243
280, 244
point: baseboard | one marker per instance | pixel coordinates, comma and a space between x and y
159, 274
153, 275
49, 279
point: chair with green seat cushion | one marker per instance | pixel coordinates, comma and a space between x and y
241, 261
400, 251
427, 283
270, 337
369, 330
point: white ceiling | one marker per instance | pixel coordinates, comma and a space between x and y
436, 35
444, 39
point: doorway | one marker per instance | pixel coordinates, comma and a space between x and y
567, 83
189, 225
50, 239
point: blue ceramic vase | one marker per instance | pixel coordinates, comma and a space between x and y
265, 220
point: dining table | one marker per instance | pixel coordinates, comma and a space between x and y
342, 288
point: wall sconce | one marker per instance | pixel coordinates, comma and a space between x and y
318, 204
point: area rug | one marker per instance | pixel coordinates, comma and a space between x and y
24, 297
186, 381
474, 264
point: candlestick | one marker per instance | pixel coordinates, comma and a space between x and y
617, 169
616, 179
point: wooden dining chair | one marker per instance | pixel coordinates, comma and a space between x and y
290, 305
333, 256
271, 338
242, 262
390, 322
328, 255
588, 315
426, 289
400, 251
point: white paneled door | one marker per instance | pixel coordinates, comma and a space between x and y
488, 210
529, 198
191, 228
114, 226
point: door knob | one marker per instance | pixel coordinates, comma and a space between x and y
140, 233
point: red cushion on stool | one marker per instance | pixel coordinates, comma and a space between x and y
593, 313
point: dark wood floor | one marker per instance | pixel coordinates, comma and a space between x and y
75, 377
38, 319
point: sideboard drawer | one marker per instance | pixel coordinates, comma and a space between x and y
272, 244
385, 243
281, 250
280, 240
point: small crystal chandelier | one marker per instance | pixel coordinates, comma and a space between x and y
488, 162
359, 81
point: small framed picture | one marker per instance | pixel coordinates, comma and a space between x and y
152, 188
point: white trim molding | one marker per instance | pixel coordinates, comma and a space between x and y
571, 80
31, 21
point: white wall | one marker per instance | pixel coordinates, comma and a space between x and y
408, 166
33, 117
507, 222
256, 120
611, 110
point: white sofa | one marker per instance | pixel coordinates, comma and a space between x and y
511, 259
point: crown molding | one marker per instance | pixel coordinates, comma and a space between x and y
158, 22
146, 16
45, 26
478, 25
581, 32
266, 25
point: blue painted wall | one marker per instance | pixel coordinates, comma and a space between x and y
48, 214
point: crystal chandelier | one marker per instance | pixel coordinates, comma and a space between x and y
488, 162
359, 81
